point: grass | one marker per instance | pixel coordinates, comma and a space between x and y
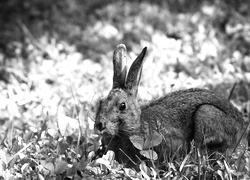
50, 84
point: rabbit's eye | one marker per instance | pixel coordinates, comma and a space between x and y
122, 106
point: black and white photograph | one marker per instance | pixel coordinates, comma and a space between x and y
124, 89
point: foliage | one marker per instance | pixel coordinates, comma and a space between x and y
145, 146
55, 63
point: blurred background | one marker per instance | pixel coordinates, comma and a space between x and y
56, 56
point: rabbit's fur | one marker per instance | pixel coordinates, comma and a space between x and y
180, 117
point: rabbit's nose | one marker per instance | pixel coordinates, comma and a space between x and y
100, 126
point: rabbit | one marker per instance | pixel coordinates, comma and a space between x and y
180, 117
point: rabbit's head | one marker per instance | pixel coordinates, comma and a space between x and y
119, 113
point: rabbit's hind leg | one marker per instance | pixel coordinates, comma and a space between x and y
214, 130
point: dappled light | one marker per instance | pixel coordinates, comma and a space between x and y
56, 65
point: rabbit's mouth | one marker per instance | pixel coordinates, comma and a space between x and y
108, 134
113, 129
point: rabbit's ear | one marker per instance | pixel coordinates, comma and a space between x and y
134, 74
120, 66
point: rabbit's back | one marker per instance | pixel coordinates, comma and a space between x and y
193, 114
189, 99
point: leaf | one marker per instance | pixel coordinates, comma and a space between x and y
150, 154
154, 174
28, 136
49, 166
40, 176
95, 170
73, 170
184, 162
104, 162
4, 156
220, 173
137, 141
145, 171
53, 133
110, 155
130, 172
67, 125
25, 167
152, 140
62, 146
61, 167
32, 163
